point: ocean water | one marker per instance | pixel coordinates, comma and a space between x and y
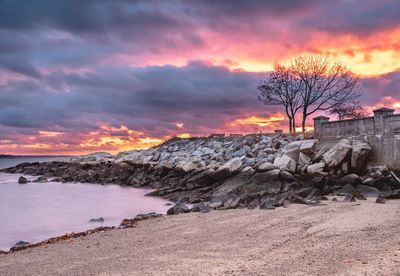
6, 162
37, 211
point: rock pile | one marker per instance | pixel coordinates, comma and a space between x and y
233, 172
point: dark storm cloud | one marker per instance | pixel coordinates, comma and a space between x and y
37, 35
142, 98
355, 17
376, 89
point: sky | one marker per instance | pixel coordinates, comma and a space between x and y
85, 76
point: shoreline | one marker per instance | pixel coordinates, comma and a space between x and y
334, 239
125, 223
90, 229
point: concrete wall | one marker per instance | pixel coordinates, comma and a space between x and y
348, 128
382, 132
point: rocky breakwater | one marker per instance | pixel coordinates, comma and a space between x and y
230, 172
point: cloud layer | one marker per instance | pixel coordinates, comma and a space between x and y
79, 76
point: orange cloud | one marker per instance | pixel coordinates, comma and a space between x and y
184, 135
259, 121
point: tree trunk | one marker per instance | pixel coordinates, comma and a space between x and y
294, 125
290, 124
303, 123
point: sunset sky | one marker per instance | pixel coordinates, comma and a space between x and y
85, 76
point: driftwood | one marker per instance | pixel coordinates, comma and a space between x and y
395, 177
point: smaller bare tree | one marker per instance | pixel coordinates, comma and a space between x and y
343, 112
282, 88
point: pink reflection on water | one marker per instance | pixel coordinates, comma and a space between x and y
37, 211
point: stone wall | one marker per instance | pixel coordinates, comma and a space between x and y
382, 132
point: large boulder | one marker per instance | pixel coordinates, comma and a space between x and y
368, 191
204, 178
293, 150
285, 163
304, 159
228, 168
267, 182
337, 154
359, 154
308, 147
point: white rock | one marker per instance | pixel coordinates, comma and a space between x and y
316, 169
308, 147
337, 153
304, 160
228, 168
293, 150
267, 166
285, 163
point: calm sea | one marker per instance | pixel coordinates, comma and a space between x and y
36, 211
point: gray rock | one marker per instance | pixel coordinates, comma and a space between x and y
308, 147
41, 179
293, 150
201, 179
304, 160
100, 219
147, 216
266, 182
228, 168
349, 198
287, 176
200, 207
368, 191
360, 154
380, 200
337, 154
178, 209
267, 166
285, 163
352, 179
22, 180
273, 174
268, 204
316, 169
231, 203
19, 245
347, 189
247, 169
185, 167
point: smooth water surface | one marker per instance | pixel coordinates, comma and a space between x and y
37, 211
6, 162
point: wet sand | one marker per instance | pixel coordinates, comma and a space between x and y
358, 238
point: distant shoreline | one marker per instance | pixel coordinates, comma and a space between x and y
30, 156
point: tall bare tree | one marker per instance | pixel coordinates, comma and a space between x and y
282, 87
326, 84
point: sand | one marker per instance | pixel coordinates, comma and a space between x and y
358, 238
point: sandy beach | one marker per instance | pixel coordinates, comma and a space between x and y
358, 238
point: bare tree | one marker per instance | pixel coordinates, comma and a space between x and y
282, 88
343, 112
326, 84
